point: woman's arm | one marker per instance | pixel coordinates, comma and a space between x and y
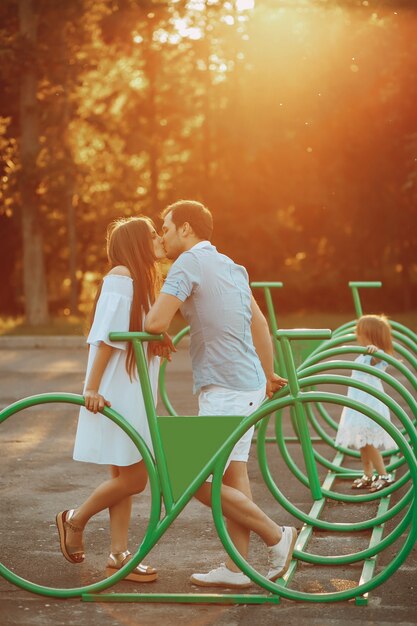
93, 400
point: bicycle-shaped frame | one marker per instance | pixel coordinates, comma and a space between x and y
174, 485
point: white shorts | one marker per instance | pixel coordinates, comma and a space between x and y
216, 400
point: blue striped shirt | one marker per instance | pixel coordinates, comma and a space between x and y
216, 301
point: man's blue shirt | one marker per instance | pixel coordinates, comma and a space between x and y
216, 301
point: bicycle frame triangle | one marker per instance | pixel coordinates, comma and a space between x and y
190, 443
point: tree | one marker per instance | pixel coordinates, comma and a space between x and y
34, 277
295, 122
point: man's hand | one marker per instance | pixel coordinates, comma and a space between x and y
274, 383
162, 348
94, 401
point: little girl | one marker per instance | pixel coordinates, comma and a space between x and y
125, 296
355, 429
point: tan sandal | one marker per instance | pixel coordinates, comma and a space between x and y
73, 554
381, 481
364, 482
140, 574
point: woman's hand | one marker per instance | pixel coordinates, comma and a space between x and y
94, 401
162, 348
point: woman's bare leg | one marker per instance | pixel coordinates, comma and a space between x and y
129, 480
120, 515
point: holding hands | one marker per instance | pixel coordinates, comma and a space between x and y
162, 348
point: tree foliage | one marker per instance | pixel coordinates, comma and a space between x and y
295, 122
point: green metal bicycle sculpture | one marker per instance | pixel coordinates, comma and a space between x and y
316, 369
175, 437
314, 355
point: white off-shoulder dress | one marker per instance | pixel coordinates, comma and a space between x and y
98, 439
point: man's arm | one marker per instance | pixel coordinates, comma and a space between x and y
161, 313
263, 346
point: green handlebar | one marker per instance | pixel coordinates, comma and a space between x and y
355, 285
268, 285
139, 336
364, 283
304, 333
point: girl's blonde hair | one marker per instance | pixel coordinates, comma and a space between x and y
129, 243
377, 330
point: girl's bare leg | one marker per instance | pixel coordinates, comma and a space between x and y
120, 515
367, 464
376, 459
128, 481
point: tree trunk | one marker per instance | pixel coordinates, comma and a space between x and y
71, 200
34, 277
151, 73
207, 138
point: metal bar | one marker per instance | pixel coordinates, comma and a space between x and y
153, 423
307, 530
181, 598
355, 285
370, 564
162, 370
289, 439
299, 412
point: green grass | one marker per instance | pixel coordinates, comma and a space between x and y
72, 325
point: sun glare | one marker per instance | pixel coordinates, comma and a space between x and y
185, 29
245, 5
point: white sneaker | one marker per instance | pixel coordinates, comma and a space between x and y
279, 555
222, 577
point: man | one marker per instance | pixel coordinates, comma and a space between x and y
232, 362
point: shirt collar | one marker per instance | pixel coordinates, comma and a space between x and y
201, 244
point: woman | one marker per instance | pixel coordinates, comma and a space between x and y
126, 294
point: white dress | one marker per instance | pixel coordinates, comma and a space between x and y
357, 430
98, 439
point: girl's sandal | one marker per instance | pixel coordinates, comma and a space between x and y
73, 554
140, 574
381, 481
364, 482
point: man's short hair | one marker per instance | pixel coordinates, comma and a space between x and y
195, 213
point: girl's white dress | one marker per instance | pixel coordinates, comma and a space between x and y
98, 439
357, 430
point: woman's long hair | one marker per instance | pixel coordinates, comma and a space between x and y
129, 243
